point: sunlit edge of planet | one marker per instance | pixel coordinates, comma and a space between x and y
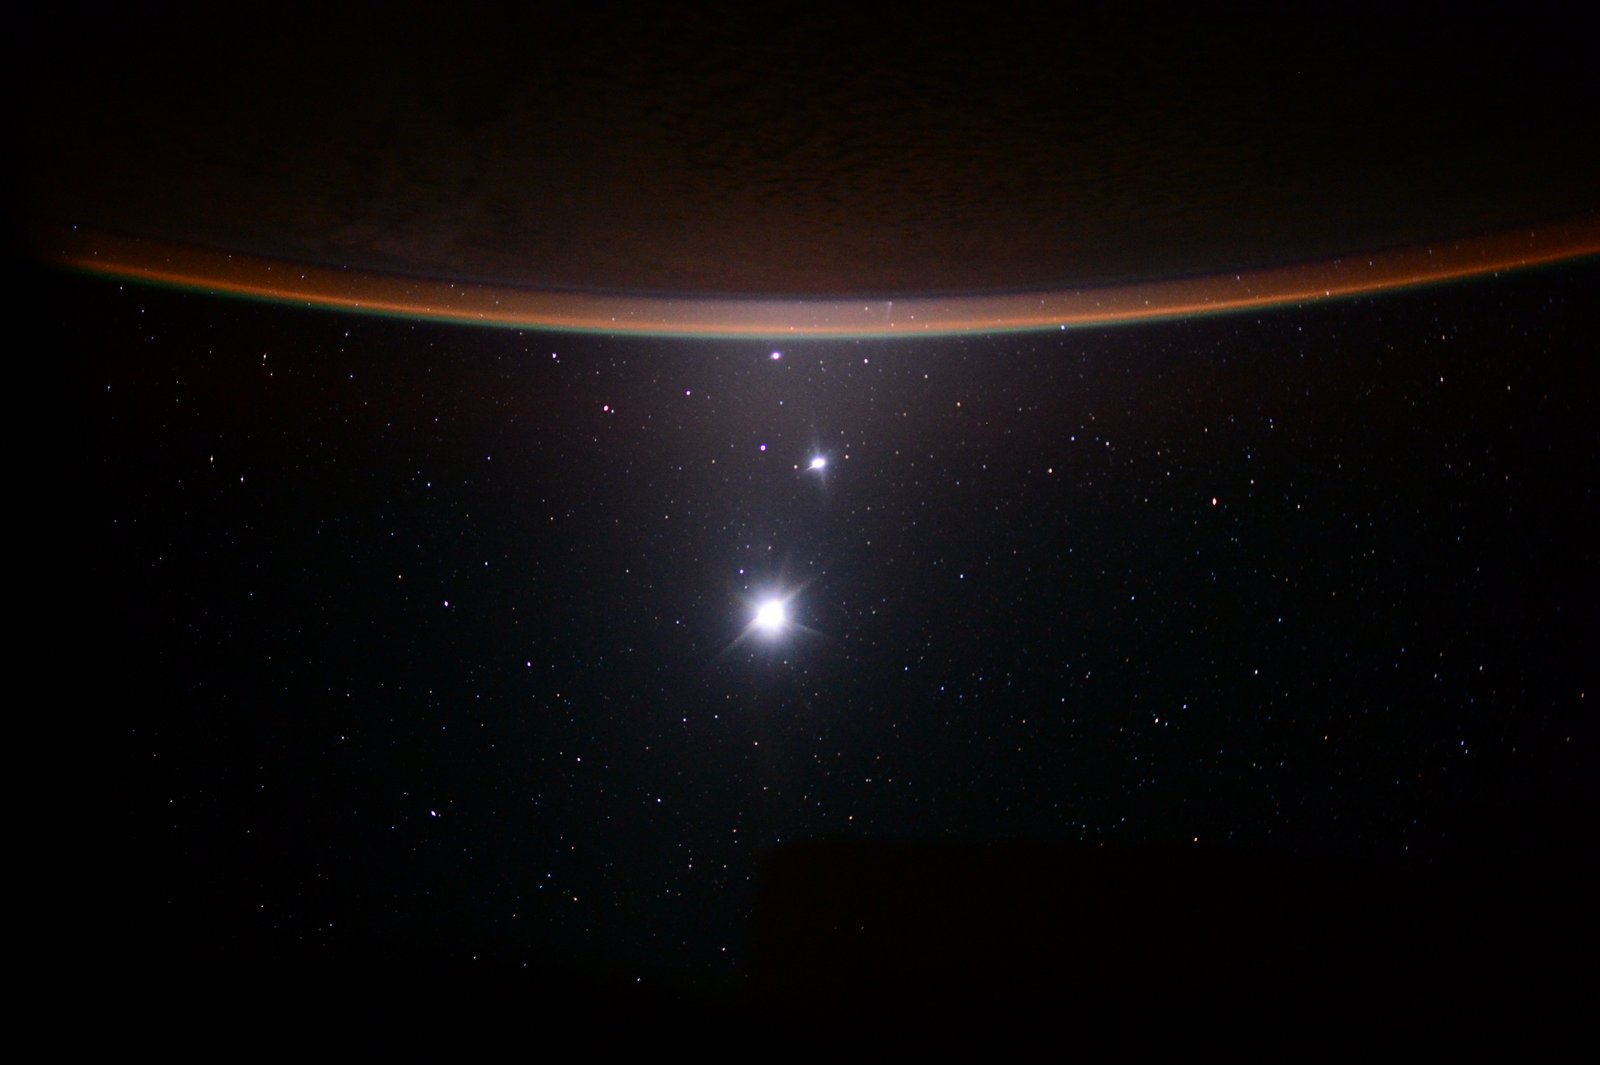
196, 269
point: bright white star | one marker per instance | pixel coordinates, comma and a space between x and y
818, 463
770, 625
771, 616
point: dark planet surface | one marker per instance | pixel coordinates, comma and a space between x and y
802, 151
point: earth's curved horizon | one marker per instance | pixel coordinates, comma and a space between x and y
790, 155
776, 317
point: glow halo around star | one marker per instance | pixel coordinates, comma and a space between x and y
771, 621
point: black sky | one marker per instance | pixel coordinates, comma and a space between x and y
391, 641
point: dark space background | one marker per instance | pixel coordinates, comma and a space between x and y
384, 685
387, 648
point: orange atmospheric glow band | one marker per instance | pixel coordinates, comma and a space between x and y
471, 303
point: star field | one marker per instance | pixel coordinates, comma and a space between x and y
414, 639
